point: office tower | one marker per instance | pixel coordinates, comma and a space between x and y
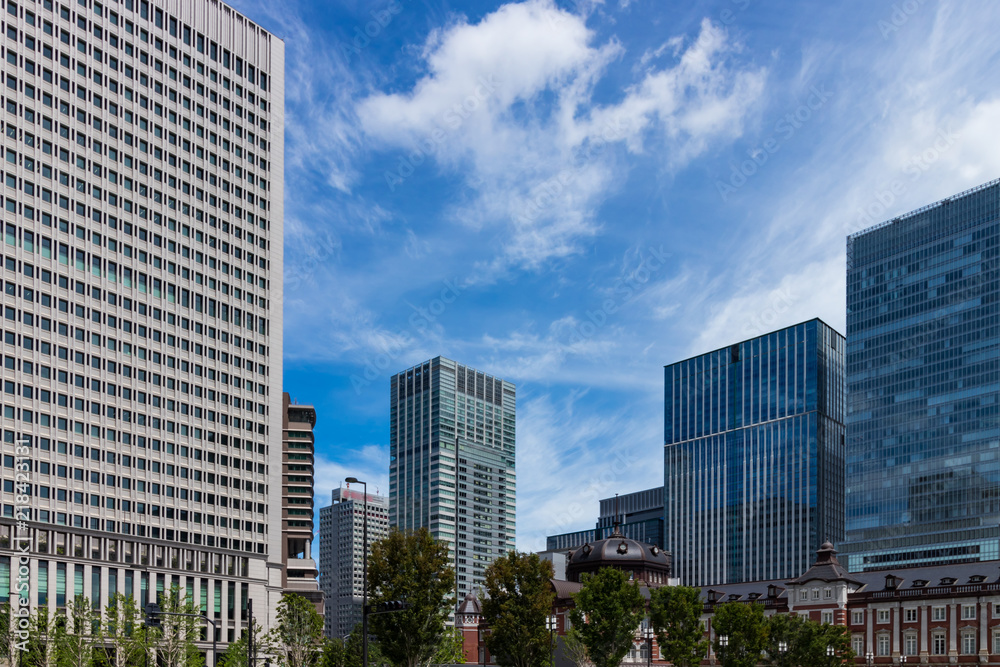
923, 348
143, 271
639, 516
298, 446
754, 456
341, 555
448, 421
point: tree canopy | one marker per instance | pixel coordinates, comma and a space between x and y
675, 613
519, 597
410, 567
609, 608
740, 634
298, 636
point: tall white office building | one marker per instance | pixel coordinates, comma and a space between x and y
142, 278
342, 553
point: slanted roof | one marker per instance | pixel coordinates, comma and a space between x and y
826, 568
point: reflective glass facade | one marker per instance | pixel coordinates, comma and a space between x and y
451, 451
754, 456
922, 373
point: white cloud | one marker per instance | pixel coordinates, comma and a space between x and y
510, 104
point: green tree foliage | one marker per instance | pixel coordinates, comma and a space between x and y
174, 642
298, 636
414, 568
574, 649
744, 627
449, 651
349, 653
608, 611
519, 597
806, 642
236, 654
125, 633
9, 638
40, 651
675, 613
75, 636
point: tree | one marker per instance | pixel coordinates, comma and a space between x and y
519, 597
236, 654
574, 649
174, 641
75, 635
806, 642
450, 650
9, 639
608, 610
298, 636
410, 567
40, 649
125, 632
783, 634
745, 631
675, 613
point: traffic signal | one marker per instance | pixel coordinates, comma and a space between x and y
393, 605
152, 615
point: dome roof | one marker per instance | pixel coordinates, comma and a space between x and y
470, 605
621, 553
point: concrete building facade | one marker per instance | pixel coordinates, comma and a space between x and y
142, 271
298, 450
341, 555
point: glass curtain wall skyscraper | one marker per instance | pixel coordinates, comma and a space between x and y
142, 274
452, 460
923, 348
754, 456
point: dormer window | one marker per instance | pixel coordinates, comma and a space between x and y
713, 596
753, 596
948, 581
977, 578
919, 583
733, 597
772, 591
892, 582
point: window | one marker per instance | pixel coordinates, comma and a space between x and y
883, 615
968, 612
827, 593
883, 644
938, 645
996, 642
858, 643
803, 596
909, 644
969, 642
827, 617
857, 618
910, 615
815, 594
939, 614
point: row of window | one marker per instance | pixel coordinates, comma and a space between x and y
910, 614
968, 644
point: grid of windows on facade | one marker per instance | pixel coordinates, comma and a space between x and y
754, 456
922, 370
138, 263
452, 461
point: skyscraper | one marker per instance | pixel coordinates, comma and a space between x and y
298, 445
341, 555
452, 455
143, 272
923, 377
754, 456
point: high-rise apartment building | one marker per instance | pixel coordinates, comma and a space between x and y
754, 456
452, 455
923, 379
298, 445
342, 552
142, 272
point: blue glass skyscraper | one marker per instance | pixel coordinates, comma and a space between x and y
754, 456
923, 343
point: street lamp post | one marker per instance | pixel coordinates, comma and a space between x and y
724, 643
869, 659
364, 574
553, 622
649, 643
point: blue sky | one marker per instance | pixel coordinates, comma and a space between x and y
571, 195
